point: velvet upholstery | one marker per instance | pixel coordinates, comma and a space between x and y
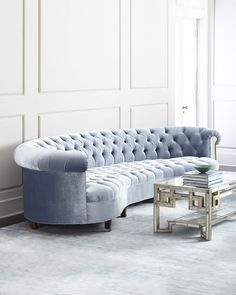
92, 176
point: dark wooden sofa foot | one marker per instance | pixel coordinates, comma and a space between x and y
33, 225
123, 213
108, 225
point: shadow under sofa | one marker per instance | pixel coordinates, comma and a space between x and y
91, 177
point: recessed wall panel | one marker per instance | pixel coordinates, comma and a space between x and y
11, 134
76, 121
191, 3
225, 43
225, 122
79, 45
10, 194
11, 206
227, 157
11, 49
147, 116
149, 43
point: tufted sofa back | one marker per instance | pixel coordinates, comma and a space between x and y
110, 147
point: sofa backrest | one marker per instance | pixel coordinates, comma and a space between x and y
126, 145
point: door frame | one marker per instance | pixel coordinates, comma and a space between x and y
179, 59
201, 16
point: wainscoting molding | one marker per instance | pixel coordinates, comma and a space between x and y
11, 134
79, 120
12, 47
11, 204
225, 109
85, 55
223, 84
152, 115
224, 55
148, 44
191, 3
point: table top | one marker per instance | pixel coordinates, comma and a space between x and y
229, 182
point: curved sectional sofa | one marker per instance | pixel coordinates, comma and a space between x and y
92, 177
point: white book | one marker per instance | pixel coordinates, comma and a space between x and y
203, 185
202, 180
212, 174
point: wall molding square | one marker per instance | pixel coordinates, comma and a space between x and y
12, 32
224, 42
149, 115
72, 58
11, 134
199, 4
148, 44
78, 121
225, 109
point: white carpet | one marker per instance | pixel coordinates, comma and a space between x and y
78, 260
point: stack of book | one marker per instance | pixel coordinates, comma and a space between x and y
204, 180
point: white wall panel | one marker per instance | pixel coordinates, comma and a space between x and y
10, 194
191, 3
149, 20
224, 78
11, 205
76, 121
146, 116
79, 45
11, 49
11, 134
225, 122
225, 43
227, 157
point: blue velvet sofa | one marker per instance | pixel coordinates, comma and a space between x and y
92, 177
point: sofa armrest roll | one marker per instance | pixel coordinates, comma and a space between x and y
50, 160
207, 134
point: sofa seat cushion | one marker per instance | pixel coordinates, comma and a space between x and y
110, 182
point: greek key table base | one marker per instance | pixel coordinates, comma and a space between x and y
204, 203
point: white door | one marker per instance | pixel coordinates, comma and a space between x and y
186, 71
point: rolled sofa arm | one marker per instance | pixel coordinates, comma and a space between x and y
208, 139
42, 159
207, 134
193, 141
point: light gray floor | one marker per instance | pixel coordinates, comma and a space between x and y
129, 260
